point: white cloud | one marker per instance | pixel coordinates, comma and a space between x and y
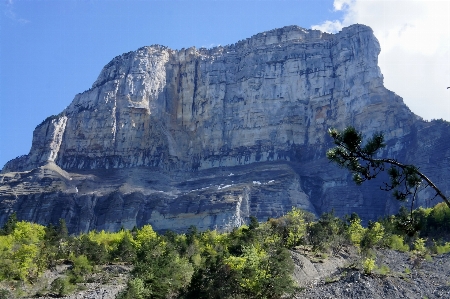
9, 13
341, 4
329, 26
415, 48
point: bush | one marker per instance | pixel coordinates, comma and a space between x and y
327, 233
158, 271
9, 225
20, 252
261, 274
439, 220
61, 286
419, 246
295, 227
135, 290
384, 270
397, 243
94, 251
441, 249
125, 250
250, 262
372, 236
369, 266
81, 267
355, 231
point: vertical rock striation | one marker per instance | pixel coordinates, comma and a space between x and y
195, 114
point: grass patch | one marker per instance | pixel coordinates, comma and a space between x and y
383, 270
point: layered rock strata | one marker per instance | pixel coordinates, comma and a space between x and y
261, 107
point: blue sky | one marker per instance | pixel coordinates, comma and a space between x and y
52, 50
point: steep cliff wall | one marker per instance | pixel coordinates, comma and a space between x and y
199, 113
257, 100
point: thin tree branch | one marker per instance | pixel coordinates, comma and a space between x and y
350, 143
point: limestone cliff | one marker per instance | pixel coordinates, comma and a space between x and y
211, 136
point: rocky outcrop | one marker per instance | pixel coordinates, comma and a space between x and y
260, 108
257, 100
404, 280
128, 197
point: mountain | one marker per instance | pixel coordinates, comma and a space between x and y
209, 137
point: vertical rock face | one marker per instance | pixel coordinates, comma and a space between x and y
47, 138
195, 114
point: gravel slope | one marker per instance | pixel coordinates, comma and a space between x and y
430, 279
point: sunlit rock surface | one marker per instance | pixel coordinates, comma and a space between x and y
208, 137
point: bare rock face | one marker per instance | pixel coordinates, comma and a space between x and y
208, 137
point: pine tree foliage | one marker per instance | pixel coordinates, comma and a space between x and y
10, 224
362, 161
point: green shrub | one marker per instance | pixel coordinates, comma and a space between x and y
439, 219
135, 290
161, 270
9, 225
440, 249
329, 232
355, 231
125, 250
369, 265
443, 249
94, 251
81, 267
61, 286
384, 270
295, 227
419, 246
20, 252
372, 236
396, 242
